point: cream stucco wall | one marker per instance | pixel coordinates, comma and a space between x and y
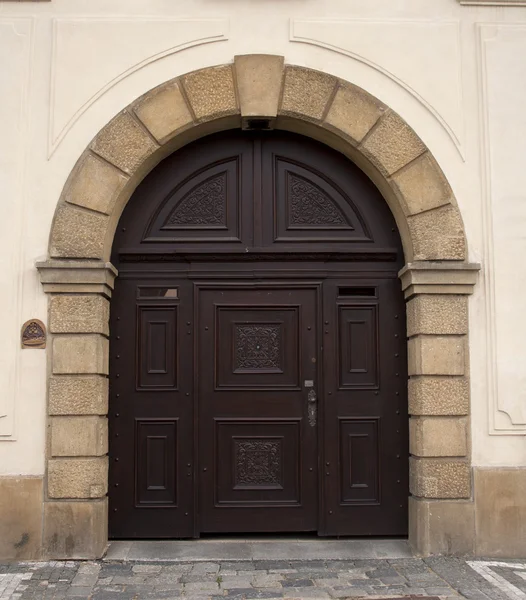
454, 73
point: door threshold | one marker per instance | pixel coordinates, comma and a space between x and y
250, 549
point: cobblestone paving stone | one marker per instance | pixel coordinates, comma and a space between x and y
444, 578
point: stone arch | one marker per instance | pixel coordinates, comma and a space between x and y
256, 90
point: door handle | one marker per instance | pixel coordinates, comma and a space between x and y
312, 407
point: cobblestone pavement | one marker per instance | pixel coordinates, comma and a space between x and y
445, 578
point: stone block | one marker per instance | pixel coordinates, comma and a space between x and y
500, 509
95, 184
75, 530
20, 517
392, 144
71, 395
441, 527
79, 314
77, 233
439, 478
259, 78
211, 92
438, 396
437, 355
437, 314
353, 112
421, 186
78, 436
164, 111
124, 143
438, 234
80, 354
78, 477
438, 436
306, 93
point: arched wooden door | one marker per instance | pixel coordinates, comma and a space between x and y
258, 349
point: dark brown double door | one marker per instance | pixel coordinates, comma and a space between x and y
257, 348
259, 407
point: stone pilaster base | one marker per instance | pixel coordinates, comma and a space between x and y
441, 526
75, 529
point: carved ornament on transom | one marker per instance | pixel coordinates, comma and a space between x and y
311, 206
204, 205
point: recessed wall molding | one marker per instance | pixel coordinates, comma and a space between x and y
108, 63
422, 57
503, 213
16, 42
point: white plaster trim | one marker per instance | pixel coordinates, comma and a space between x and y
493, 2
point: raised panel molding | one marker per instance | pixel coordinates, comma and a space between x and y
83, 71
503, 97
423, 57
16, 35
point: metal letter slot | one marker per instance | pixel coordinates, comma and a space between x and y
312, 408
308, 383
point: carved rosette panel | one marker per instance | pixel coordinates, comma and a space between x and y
309, 205
204, 205
257, 347
257, 462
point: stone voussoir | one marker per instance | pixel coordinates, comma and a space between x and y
78, 436
438, 234
421, 186
353, 112
439, 478
78, 477
78, 395
95, 184
77, 233
437, 314
392, 144
124, 143
306, 93
164, 111
211, 92
79, 314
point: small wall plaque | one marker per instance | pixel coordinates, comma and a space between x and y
33, 334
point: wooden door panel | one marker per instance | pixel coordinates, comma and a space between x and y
151, 410
257, 452
359, 460
156, 447
358, 346
365, 372
156, 347
257, 462
257, 347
